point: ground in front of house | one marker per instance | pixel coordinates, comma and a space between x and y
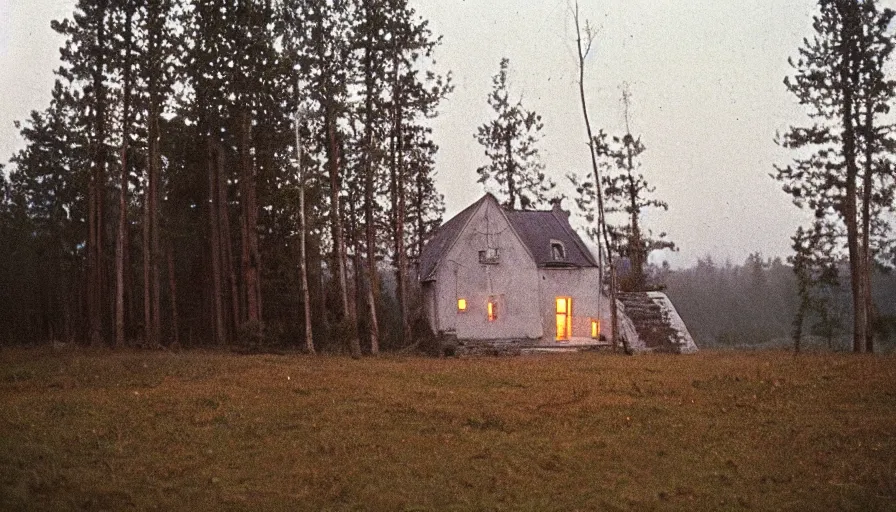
210, 430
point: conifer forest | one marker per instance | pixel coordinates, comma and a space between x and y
158, 198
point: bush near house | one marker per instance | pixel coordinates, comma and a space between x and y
212, 430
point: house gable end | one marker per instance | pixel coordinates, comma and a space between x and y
450, 232
444, 239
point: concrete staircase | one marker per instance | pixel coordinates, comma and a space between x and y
655, 323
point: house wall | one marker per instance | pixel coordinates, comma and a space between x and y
583, 285
429, 304
514, 281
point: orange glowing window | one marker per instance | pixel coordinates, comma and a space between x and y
492, 309
461, 305
564, 318
595, 328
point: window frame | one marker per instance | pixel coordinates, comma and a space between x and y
558, 250
489, 256
567, 318
491, 309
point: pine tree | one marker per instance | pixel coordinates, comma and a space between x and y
510, 142
840, 78
85, 57
627, 191
416, 91
815, 266
48, 219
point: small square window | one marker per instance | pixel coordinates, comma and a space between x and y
461, 305
489, 256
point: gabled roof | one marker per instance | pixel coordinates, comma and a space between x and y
443, 239
535, 228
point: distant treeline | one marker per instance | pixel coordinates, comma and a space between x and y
754, 304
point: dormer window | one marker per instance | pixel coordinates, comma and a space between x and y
489, 256
558, 251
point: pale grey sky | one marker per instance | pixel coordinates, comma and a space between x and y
706, 76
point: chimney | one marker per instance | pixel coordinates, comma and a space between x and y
557, 208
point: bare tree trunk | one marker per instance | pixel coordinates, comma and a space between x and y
121, 245
369, 203
172, 292
215, 242
303, 256
151, 306
338, 232
399, 205
96, 191
583, 50
155, 253
251, 259
227, 269
147, 257
867, 186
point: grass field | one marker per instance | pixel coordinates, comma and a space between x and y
210, 431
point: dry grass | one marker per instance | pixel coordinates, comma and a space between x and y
209, 431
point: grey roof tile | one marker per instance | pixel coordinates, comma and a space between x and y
535, 228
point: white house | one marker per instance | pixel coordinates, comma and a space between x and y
525, 278
491, 274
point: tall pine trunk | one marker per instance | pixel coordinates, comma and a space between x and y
303, 256
156, 170
121, 242
635, 245
849, 72
339, 252
151, 305
398, 202
218, 335
172, 292
369, 203
96, 189
233, 319
250, 255
867, 185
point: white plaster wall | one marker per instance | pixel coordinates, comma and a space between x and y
429, 305
514, 280
583, 285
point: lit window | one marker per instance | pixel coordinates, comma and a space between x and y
461, 305
595, 328
564, 318
492, 309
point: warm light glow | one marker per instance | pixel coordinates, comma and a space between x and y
564, 318
561, 304
595, 328
461, 305
492, 311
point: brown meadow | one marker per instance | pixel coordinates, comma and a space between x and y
212, 430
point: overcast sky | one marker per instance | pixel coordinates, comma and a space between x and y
706, 78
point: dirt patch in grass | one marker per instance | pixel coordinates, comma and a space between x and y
205, 431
